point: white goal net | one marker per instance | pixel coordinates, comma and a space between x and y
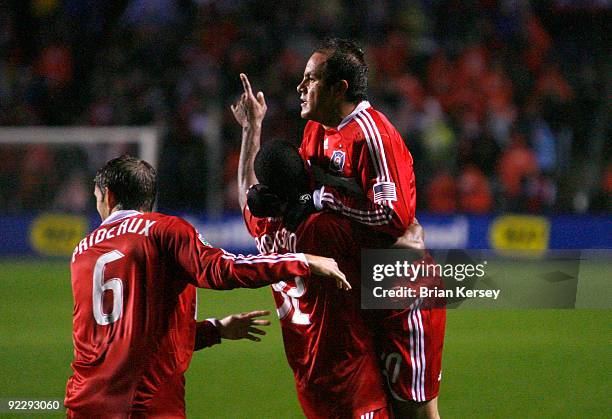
51, 168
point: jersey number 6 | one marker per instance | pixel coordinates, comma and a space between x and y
99, 286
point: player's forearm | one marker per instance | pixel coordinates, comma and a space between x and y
251, 139
228, 271
361, 210
391, 220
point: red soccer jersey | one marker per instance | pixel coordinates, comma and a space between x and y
327, 344
134, 283
367, 147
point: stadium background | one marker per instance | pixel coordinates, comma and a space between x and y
503, 104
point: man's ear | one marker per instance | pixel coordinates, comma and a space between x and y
110, 198
341, 87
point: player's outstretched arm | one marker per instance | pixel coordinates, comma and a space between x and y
249, 112
208, 267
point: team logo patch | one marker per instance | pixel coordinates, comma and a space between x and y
336, 163
305, 198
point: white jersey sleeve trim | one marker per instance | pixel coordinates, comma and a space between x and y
379, 158
380, 216
269, 258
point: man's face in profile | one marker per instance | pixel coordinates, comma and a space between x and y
315, 95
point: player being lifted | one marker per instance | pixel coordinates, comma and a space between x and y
134, 284
327, 343
347, 138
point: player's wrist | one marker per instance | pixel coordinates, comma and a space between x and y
251, 126
218, 327
207, 334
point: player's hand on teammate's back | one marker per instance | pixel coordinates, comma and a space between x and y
249, 110
327, 267
413, 238
242, 326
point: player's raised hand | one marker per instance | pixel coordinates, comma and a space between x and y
250, 110
327, 267
242, 326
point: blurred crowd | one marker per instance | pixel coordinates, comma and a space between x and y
503, 103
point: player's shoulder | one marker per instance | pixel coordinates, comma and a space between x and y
312, 130
365, 123
380, 120
161, 218
372, 125
168, 222
311, 126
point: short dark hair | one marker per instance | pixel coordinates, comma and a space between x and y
132, 181
345, 61
278, 165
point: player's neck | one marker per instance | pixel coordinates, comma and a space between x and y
343, 110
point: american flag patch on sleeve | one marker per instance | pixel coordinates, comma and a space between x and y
384, 191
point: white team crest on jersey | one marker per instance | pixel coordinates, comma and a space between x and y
325, 143
336, 163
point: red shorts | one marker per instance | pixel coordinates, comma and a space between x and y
382, 413
349, 406
409, 343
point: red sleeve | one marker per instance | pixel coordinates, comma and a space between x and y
384, 170
208, 267
207, 334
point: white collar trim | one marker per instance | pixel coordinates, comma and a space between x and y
119, 215
364, 104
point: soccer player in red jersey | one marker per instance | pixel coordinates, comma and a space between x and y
346, 137
134, 284
327, 343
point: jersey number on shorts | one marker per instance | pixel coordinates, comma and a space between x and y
290, 301
99, 286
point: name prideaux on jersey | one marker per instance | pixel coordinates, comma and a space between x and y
134, 285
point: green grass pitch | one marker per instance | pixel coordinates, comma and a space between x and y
497, 363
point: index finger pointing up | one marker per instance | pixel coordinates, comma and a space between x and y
246, 84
